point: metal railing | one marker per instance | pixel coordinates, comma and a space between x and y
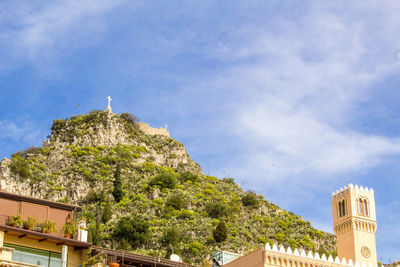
19, 256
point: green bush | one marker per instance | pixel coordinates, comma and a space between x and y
164, 180
175, 201
280, 237
229, 181
188, 176
20, 166
194, 249
171, 236
217, 209
107, 212
117, 190
186, 214
250, 200
57, 126
220, 233
283, 225
133, 229
95, 233
130, 118
32, 150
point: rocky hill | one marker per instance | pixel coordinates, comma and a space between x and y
144, 193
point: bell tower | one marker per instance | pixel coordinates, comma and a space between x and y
354, 223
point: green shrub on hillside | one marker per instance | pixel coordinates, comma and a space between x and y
107, 212
117, 190
250, 200
164, 180
171, 236
130, 118
175, 201
217, 209
188, 176
220, 233
133, 229
57, 126
229, 181
20, 166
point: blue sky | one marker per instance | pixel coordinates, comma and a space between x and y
293, 99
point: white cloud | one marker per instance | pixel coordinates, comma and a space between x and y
42, 33
20, 132
298, 92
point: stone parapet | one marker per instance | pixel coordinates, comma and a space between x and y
293, 258
144, 127
351, 186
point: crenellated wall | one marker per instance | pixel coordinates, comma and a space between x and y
293, 258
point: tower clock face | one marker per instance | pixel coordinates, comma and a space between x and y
365, 252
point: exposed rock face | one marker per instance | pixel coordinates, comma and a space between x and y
62, 162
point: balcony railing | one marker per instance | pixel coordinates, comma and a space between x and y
23, 257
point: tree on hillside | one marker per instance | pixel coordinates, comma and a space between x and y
117, 191
221, 232
132, 230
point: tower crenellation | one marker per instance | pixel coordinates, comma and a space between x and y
351, 186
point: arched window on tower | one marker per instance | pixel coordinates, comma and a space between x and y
363, 206
342, 208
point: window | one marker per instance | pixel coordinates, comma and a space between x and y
342, 210
363, 206
35, 256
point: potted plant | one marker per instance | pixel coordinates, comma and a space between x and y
15, 221
112, 261
48, 226
69, 228
30, 223
93, 259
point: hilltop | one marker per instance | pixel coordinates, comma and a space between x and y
147, 185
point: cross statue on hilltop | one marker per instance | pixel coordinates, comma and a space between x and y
109, 104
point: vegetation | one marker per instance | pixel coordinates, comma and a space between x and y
30, 223
70, 227
15, 221
131, 230
163, 180
175, 201
117, 190
48, 226
217, 209
130, 118
20, 166
250, 200
144, 194
220, 233
171, 236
